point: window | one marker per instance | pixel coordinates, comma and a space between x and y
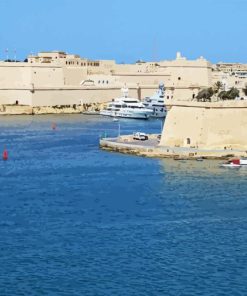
179, 78
188, 141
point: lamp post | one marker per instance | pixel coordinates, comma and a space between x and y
119, 130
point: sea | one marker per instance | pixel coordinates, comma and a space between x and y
76, 220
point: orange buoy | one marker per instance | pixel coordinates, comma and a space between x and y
5, 154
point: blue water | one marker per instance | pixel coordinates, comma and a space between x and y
76, 220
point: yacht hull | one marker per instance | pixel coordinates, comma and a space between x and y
125, 115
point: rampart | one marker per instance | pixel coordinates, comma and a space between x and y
217, 125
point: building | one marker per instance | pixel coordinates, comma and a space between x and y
57, 78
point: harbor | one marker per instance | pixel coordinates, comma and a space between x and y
123, 148
94, 214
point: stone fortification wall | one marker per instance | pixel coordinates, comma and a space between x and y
219, 125
14, 75
70, 95
56, 78
74, 75
22, 96
47, 76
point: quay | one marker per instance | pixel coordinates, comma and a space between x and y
193, 130
152, 148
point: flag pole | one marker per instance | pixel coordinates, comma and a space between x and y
7, 54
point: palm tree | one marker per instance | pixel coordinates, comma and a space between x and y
217, 86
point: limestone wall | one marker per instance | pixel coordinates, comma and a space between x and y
74, 75
15, 75
70, 95
143, 79
47, 76
11, 96
219, 125
21, 75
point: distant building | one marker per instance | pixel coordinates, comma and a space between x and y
58, 78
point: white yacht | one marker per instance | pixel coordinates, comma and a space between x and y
156, 102
126, 107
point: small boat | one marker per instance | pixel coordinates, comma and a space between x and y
199, 159
180, 158
115, 119
234, 163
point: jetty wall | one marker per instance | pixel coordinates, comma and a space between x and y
217, 125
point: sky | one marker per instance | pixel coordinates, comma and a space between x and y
126, 30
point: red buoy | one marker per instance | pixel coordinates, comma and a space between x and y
53, 126
5, 154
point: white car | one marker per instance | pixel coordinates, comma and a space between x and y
140, 136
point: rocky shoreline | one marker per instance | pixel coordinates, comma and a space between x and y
93, 108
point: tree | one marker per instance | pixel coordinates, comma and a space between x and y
205, 95
245, 89
217, 86
231, 94
223, 95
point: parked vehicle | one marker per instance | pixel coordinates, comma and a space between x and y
140, 136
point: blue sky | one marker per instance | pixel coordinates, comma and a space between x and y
126, 30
